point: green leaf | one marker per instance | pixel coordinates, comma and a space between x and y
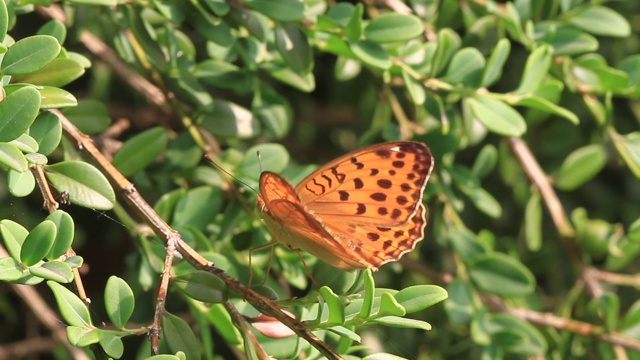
4, 20
274, 112
47, 132
335, 305
502, 275
393, 27
459, 305
64, 235
294, 47
303, 82
389, 306
13, 235
419, 297
415, 88
59, 72
11, 157
279, 10
30, 54
228, 119
396, 321
566, 40
25, 143
73, 310
581, 166
20, 184
466, 68
10, 269
466, 244
140, 151
54, 28
119, 301
179, 336
198, 207
371, 54
536, 70
353, 25
369, 292
602, 21
497, 116
53, 98
57, 271
90, 116
516, 335
495, 64
38, 243
223, 74
112, 344
448, 43
18, 110
74, 261
274, 157
85, 185
628, 147
540, 103
82, 336
202, 286
485, 161
533, 222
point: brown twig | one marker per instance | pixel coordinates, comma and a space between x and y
139, 205
161, 299
614, 278
537, 176
26, 348
574, 326
241, 324
143, 86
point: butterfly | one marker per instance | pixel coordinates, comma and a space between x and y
359, 211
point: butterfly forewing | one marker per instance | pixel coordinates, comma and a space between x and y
378, 185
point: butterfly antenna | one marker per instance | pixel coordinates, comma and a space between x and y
206, 156
259, 160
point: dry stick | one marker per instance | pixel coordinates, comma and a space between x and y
540, 318
539, 179
45, 314
241, 324
578, 327
172, 239
26, 348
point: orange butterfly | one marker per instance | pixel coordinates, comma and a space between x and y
359, 211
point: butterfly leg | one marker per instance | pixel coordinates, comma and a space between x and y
297, 251
270, 244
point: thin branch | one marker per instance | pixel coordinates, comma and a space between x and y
537, 176
139, 205
161, 300
614, 278
574, 326
241, 324
152, 93
27, 348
